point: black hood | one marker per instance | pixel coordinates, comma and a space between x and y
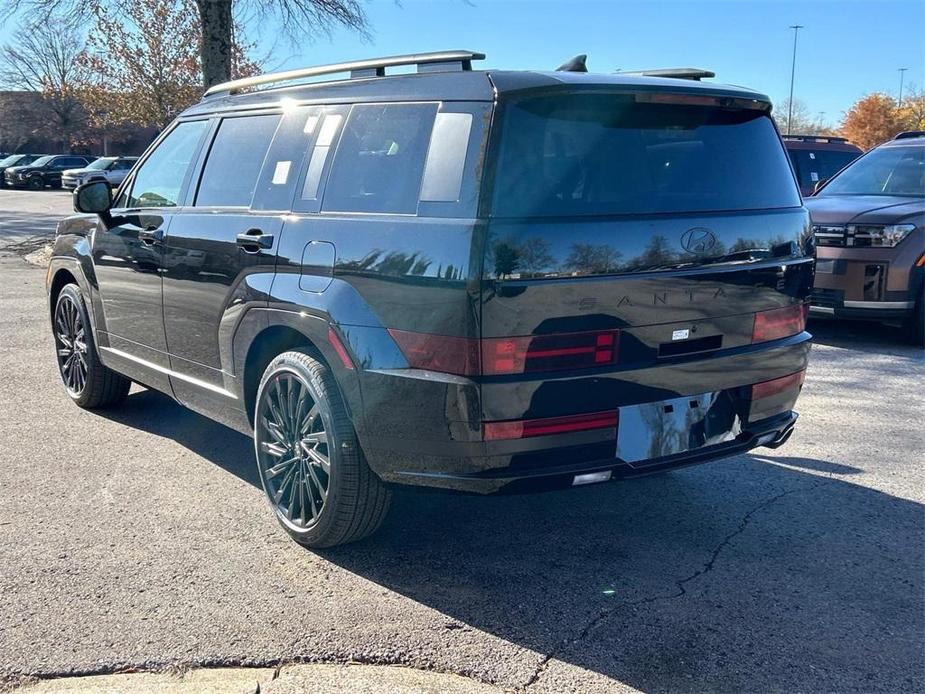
864, 209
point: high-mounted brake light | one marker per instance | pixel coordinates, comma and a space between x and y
779, 322
766, 389
508, 355
526, 428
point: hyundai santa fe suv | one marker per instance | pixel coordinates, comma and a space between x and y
869, 224
479, 281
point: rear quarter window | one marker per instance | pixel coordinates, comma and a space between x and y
379, 162
606, 154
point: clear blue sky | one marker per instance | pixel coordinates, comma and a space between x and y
849, 47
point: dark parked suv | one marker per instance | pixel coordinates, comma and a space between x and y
817, 158
44, 171
14, 160
469, 280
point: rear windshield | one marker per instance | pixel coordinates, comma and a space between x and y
885, 171
600, 154
813, 166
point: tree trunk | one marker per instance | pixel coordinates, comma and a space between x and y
215, 50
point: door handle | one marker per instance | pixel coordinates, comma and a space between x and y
151, 235
254, 240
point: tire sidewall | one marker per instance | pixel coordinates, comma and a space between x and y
288, 363
73, 293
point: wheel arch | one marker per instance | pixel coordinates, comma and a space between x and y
256, 347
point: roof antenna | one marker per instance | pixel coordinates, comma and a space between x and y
576, 64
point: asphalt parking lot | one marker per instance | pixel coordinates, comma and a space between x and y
139, 539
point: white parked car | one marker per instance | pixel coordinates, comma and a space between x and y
112, 169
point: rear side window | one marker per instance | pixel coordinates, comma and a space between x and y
380, 159
601, 154
159, 180
235, 159
813, 166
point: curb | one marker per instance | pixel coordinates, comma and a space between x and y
290, 679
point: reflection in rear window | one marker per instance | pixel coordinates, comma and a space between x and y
604, 154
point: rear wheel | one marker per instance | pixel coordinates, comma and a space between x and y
88, 382
308, 457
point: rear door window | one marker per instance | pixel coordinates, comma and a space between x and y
234, 162
379, 161
607, 154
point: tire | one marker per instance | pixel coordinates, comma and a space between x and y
320, 504
35, 183
87, 381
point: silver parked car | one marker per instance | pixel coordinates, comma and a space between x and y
112, 169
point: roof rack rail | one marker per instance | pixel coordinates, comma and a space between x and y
682, 73
815, 138
909, 134
373, 67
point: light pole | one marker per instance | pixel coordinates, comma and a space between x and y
793, 67
902, 73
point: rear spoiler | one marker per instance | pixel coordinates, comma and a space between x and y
681, 73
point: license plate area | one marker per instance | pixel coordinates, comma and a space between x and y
655, 430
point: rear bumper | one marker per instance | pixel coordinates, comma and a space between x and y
772, 433
426, 431
864, 310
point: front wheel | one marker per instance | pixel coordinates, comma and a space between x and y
88, 381
915, 325
308, 457
36, 183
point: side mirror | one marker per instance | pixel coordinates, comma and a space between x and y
821, 182
94, 198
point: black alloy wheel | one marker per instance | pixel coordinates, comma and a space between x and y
88, 381
309, 460
71, 344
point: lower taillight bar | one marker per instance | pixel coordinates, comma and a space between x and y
766, 389
525, 428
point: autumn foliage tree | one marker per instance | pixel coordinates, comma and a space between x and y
873, 120
146, 66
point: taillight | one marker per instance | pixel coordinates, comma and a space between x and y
508, 355
443, 353
779, 322
525, 428
515, 355
766, 389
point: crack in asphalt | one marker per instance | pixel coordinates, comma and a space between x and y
706, 568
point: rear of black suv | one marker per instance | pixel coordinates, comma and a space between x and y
641, 302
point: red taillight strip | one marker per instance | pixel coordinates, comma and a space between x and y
339, 348
508, 355
779, 322
766, 389
525, 428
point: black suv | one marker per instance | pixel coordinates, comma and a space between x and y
15, 160
44, 171
470, 280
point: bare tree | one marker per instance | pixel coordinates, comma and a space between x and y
45, 59
299, 18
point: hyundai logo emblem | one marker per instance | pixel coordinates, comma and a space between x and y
698, 240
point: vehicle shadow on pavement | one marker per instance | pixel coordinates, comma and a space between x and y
755, 573
748, 576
